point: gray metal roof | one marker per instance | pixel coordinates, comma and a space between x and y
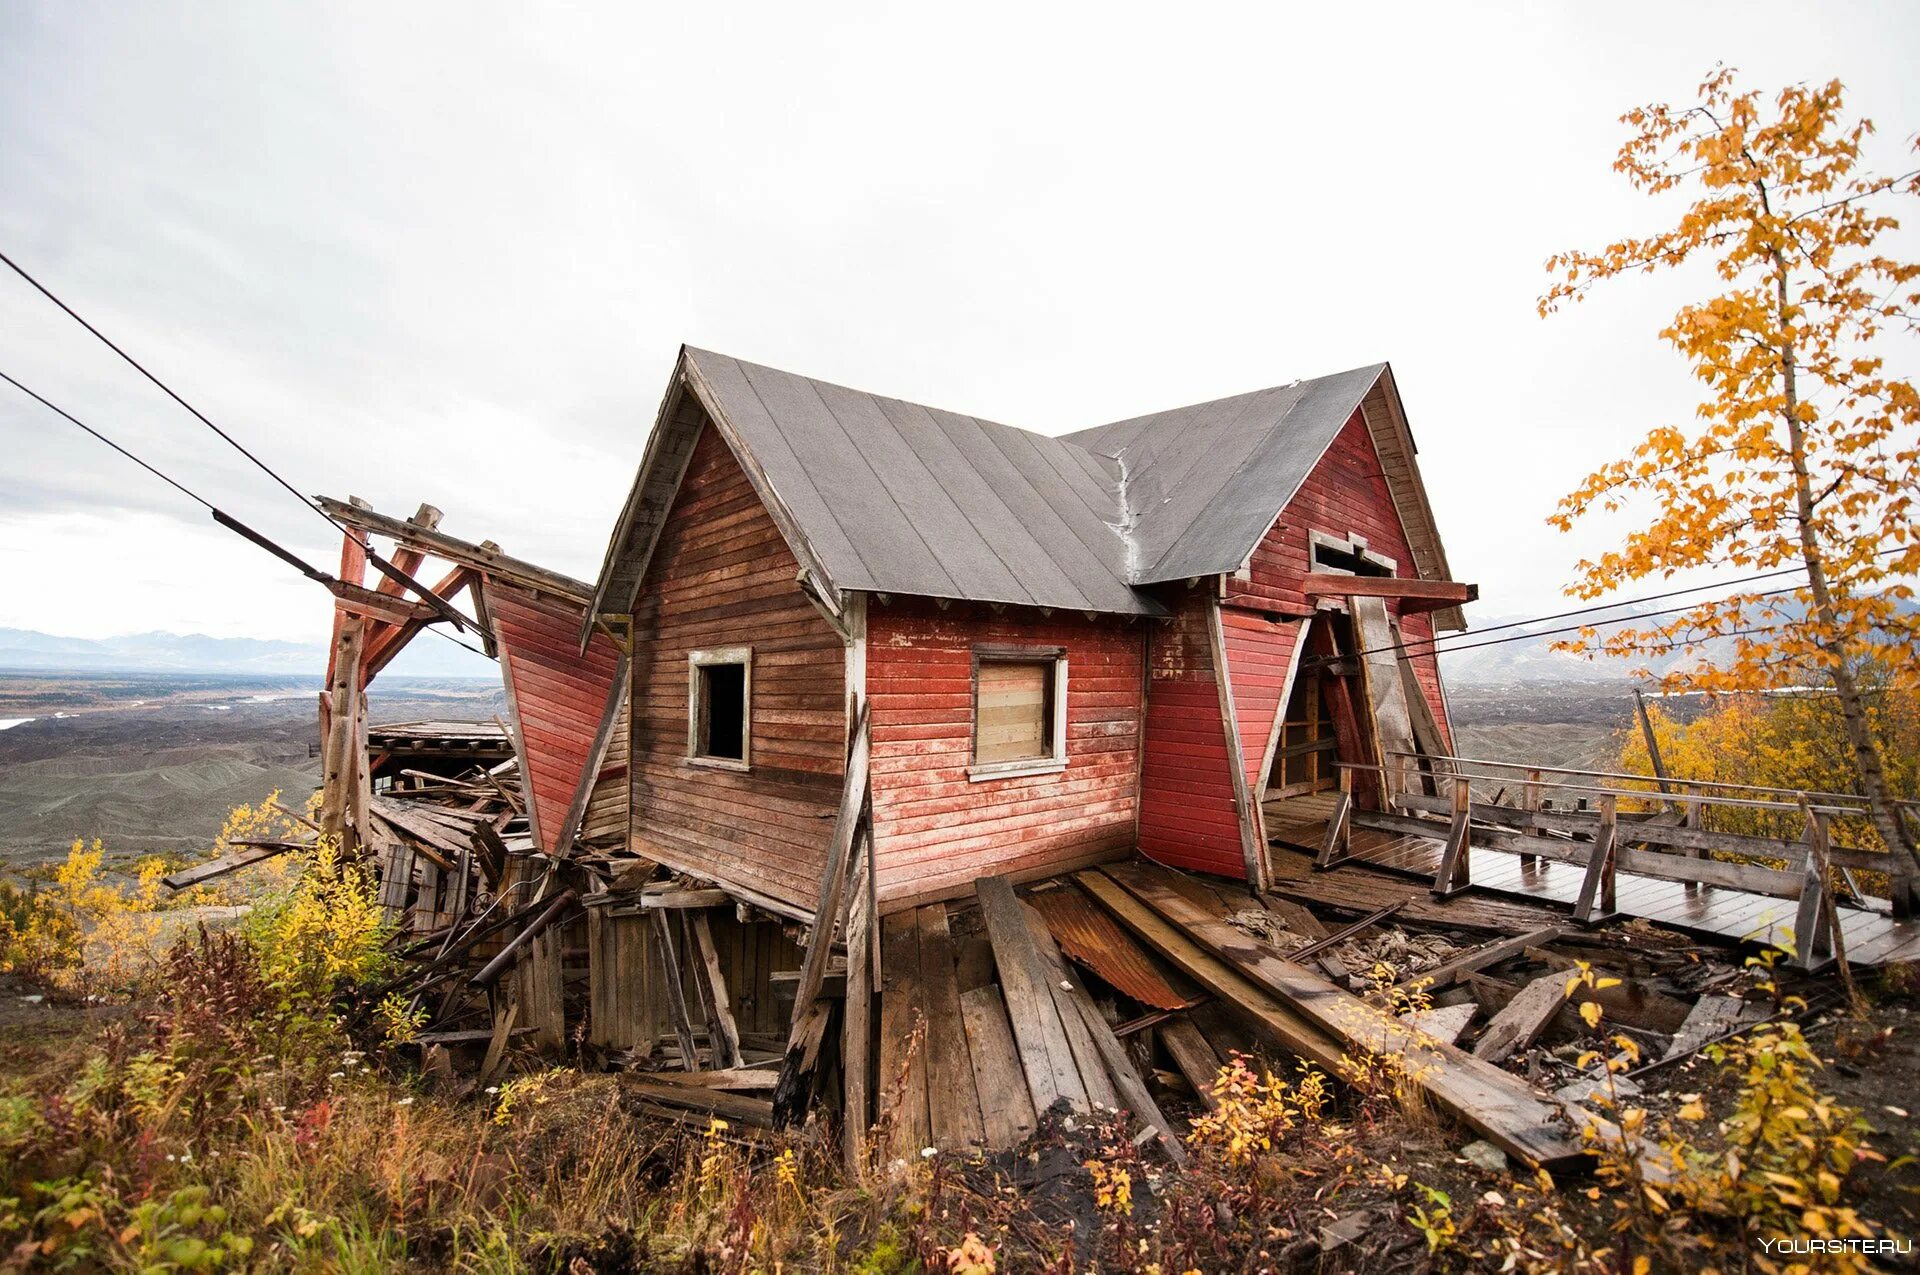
899, 498
1203, 483
893, 497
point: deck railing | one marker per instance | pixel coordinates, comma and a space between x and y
1658, 831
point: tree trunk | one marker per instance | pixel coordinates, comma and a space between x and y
1836, 646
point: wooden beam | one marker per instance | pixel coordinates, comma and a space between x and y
1520, 1023
1447, 592
723, 1036
488, 560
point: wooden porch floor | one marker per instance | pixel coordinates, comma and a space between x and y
1871, 938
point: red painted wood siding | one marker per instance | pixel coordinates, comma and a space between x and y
722, 575
1187, 814
1259, 656
1345, 494
559, 695
936, 831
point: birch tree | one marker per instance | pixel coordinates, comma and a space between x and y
1805, 449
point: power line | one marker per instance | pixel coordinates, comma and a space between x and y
1457, 642
182, 488
224, 519
388, 569
166, 389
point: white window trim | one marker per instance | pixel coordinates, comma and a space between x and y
1022, 767
696, 660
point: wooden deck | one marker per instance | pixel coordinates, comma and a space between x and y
1871, 937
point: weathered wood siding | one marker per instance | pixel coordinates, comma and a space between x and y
557, 696
1188, 818
937, 831
605, 821
722, 575
1259, 661
1345, 494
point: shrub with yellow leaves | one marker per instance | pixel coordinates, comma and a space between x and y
1252, 1113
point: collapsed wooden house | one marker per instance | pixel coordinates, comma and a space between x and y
855, 668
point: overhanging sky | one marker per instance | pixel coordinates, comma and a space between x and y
447, 253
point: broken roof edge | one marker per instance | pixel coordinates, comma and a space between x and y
482, 557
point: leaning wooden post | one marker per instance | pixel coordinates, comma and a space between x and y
1337, 842
1456, 872
1596, 902
1813, 936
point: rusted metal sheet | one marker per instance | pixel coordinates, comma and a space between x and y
1093, 938
558, 698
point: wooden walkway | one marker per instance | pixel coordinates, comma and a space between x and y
1871, 937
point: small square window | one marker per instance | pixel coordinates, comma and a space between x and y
719, 718
1019, 719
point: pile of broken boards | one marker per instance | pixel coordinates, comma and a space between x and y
1126, 987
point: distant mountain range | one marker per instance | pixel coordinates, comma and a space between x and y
1512, 656
24, 650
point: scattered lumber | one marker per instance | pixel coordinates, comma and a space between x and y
1479, 958
1303, 1013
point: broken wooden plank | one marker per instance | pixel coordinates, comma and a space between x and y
1712, 1017
250, 854
1307, 1016
1445, 1023
1046, 1056
700, 899
953, 1104
1126, 1081
1061, 982
1478, 958
718, 1102
1520, 1023
1006, 1106
1194, 1055
723, 1035
903, 1051
675, 980
833, 879
731, 1078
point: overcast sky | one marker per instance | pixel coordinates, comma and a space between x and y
447, 252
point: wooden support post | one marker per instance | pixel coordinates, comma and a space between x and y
856, 1045
1337, 845
339, 766
1596, 904
1456, 868
723, 1035
1530, 802
676, 992
1813, 936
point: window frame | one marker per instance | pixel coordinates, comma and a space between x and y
1355, 545
720, 656
1048, 763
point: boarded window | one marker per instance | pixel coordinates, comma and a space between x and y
1013, 711
718, 728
